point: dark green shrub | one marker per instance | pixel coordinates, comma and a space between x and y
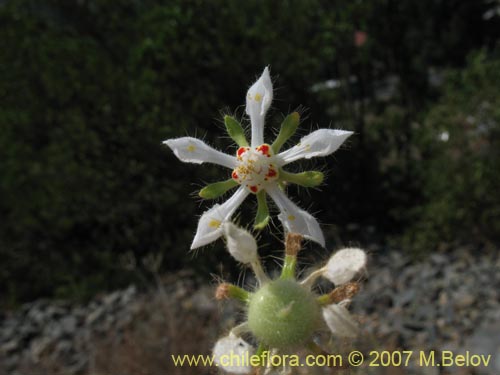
459, 159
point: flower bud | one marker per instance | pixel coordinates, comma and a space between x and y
233, 349
344, 265
240, 243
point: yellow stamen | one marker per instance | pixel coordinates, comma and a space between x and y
258, 97
214, 223
191, 148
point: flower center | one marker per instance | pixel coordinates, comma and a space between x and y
256, 167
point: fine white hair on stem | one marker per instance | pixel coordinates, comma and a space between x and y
260, 275
309, 280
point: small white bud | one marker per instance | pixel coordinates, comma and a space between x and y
240, 243
340, 321
230, 354
344, 265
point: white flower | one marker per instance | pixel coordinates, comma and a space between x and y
344, 265
258, 168
232, 354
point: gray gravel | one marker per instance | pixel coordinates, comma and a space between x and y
449, 301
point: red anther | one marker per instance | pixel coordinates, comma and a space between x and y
271, 173
264, 149
241, 151
253, 189
234, 175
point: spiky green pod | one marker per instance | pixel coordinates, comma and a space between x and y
283, 314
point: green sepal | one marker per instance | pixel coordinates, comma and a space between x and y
238, 293
262, 217
324, 300
216, 189
306, 179
288, 128
235, 131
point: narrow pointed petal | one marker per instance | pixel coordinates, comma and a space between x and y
296, 220
209, 227
259, 98
192, 150
321, 142
340, 322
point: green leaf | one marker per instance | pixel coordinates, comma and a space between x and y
235, 131
262, 217
306, 179
288, 128
216, 189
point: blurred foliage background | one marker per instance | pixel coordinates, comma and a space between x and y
90, 88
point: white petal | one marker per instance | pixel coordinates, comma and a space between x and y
209, 226
340, 321
192, 150
240, 243
321, 142
259, 98
232, 354
294, 219
344, 265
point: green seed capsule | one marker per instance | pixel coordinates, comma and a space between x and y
283, 314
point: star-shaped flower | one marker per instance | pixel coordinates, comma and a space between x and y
257, 168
